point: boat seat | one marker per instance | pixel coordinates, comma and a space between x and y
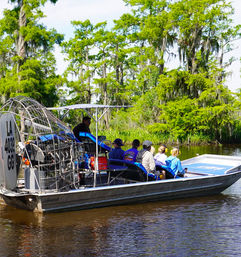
89, 142
130, 170
169, 172
48, 137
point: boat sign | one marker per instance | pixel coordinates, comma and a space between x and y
8, 169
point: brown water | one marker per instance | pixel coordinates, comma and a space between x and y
205, 226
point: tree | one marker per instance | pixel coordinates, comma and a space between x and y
152, 37
81, 57
127, 65
30, 63
204, 33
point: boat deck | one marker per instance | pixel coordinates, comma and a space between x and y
212, 165
207, 169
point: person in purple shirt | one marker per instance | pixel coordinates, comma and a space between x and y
130, 154
117, 152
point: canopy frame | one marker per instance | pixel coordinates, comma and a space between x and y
87, 108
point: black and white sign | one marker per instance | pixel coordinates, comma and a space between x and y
8, 174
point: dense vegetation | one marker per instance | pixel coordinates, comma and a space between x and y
128, 64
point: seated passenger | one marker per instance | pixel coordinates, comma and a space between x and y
145, 157
152, 150
175, 164
117, 152
161, 156
130, 154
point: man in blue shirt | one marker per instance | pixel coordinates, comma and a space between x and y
117, 152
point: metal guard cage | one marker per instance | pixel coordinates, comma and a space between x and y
46, 148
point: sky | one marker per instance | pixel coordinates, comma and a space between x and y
60, 15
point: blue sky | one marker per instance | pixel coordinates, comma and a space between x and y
58, 16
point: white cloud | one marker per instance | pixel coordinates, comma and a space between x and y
63, 12
3, 5
60, 15
234, 81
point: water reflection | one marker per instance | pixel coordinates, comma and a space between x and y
205, 226
191, 151
169, 228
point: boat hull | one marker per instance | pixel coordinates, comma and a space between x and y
122, 194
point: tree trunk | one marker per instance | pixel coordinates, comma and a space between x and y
20, 41
105, 100
88, 80
21, 47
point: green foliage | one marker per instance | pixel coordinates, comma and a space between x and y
180, 117
159, 128
35, 82
129, 135
126, 65
27, 64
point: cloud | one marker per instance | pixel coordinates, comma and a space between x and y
3, 5
62, 13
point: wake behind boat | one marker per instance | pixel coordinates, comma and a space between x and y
43, 167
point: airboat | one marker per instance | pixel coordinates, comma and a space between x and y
44, 168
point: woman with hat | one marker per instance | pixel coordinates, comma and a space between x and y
117, 152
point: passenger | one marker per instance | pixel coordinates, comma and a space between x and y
145, 157
152, 150
117, 152
82, 127
161, 155
175, 164
130, 154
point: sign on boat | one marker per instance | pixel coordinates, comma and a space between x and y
44, 168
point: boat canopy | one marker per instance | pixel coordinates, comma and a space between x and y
86, 106
95, 117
